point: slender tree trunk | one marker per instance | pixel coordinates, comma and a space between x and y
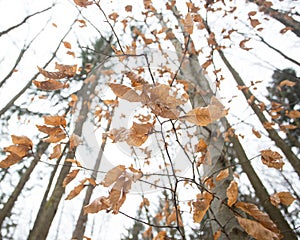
290, 156
261, 192
283, 18
6, 210
47, 213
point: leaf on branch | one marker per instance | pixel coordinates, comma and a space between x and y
71, 175
67, 45
260, 216
75, 191
202, 116
97, 205
128, 8
56, 152
271, 159
217, 235
52, 75
222, 174
55, 121
201, 206
254, 22
50, 85
293, 114
201, 146
78, 164
188, 23
257, 230
112, 175
125, 92
285, 29
10, 160
256, 133
83, 3
232, 193
56, 134
74, 141
173, 218
242, 44
19, 150
282, 197
22, 140
287, 83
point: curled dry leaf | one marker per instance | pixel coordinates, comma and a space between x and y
222, 174
52, 75
19, 150
242, 44
282, 197
71, 175
293, 114
75, 191
78, 164
56, 134
201, 206
112, 175
201, 146
232, 193
260, 216
50, 85
74, 141
55, 121
11, 159
56, 152
256, 133
257, 230
83, 3
202, 116
22, 140
287, 83
97, 205
272, 159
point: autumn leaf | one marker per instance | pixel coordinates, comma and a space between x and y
254, 22
285, 29
271, 159
74, 141
83, 3
49, 85
78, 164
71, 175
75, 191
256, 133
52, 75
222, 174
125, 92
19, 150
56, 152
257, 230
293, 114
287, 83
97, 205
260, 216
282, 197
112, 175
173, 218
128, 8
22, 140
242, 44
188, 23
232, 193
217, 235
202, 116
201, 146
55, 121
11, 159
67, 45
56, 134
201, 206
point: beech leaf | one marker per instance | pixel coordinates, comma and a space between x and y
222, 174
97, 205
112, 175
75, 191
55, 121
125, 92
201, 206
50, 85
282, 197
56, 152
272, 159
71, 175
22, 140
232, 193
11, 159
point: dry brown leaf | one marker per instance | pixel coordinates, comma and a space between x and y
272, 159
97, 205
78, 164
55, 121
188, 23
222, 174
74, 141
128, 8
254, 22
217, 235
285, 29
201, 146
112, 175
83, 3
56, 152
22, 140
67, 45
242, 44
282, 197
173, 218
125, 92
75, 191
71, 175
50, 85
287, 83
19, 150
11, 159
260, 216
52, 75
293, 114
257, 230
256, 133
232, 193
201, 206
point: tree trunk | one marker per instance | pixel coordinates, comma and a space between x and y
290, 156
283, 18
260, 191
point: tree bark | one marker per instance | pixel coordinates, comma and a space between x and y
261, 192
